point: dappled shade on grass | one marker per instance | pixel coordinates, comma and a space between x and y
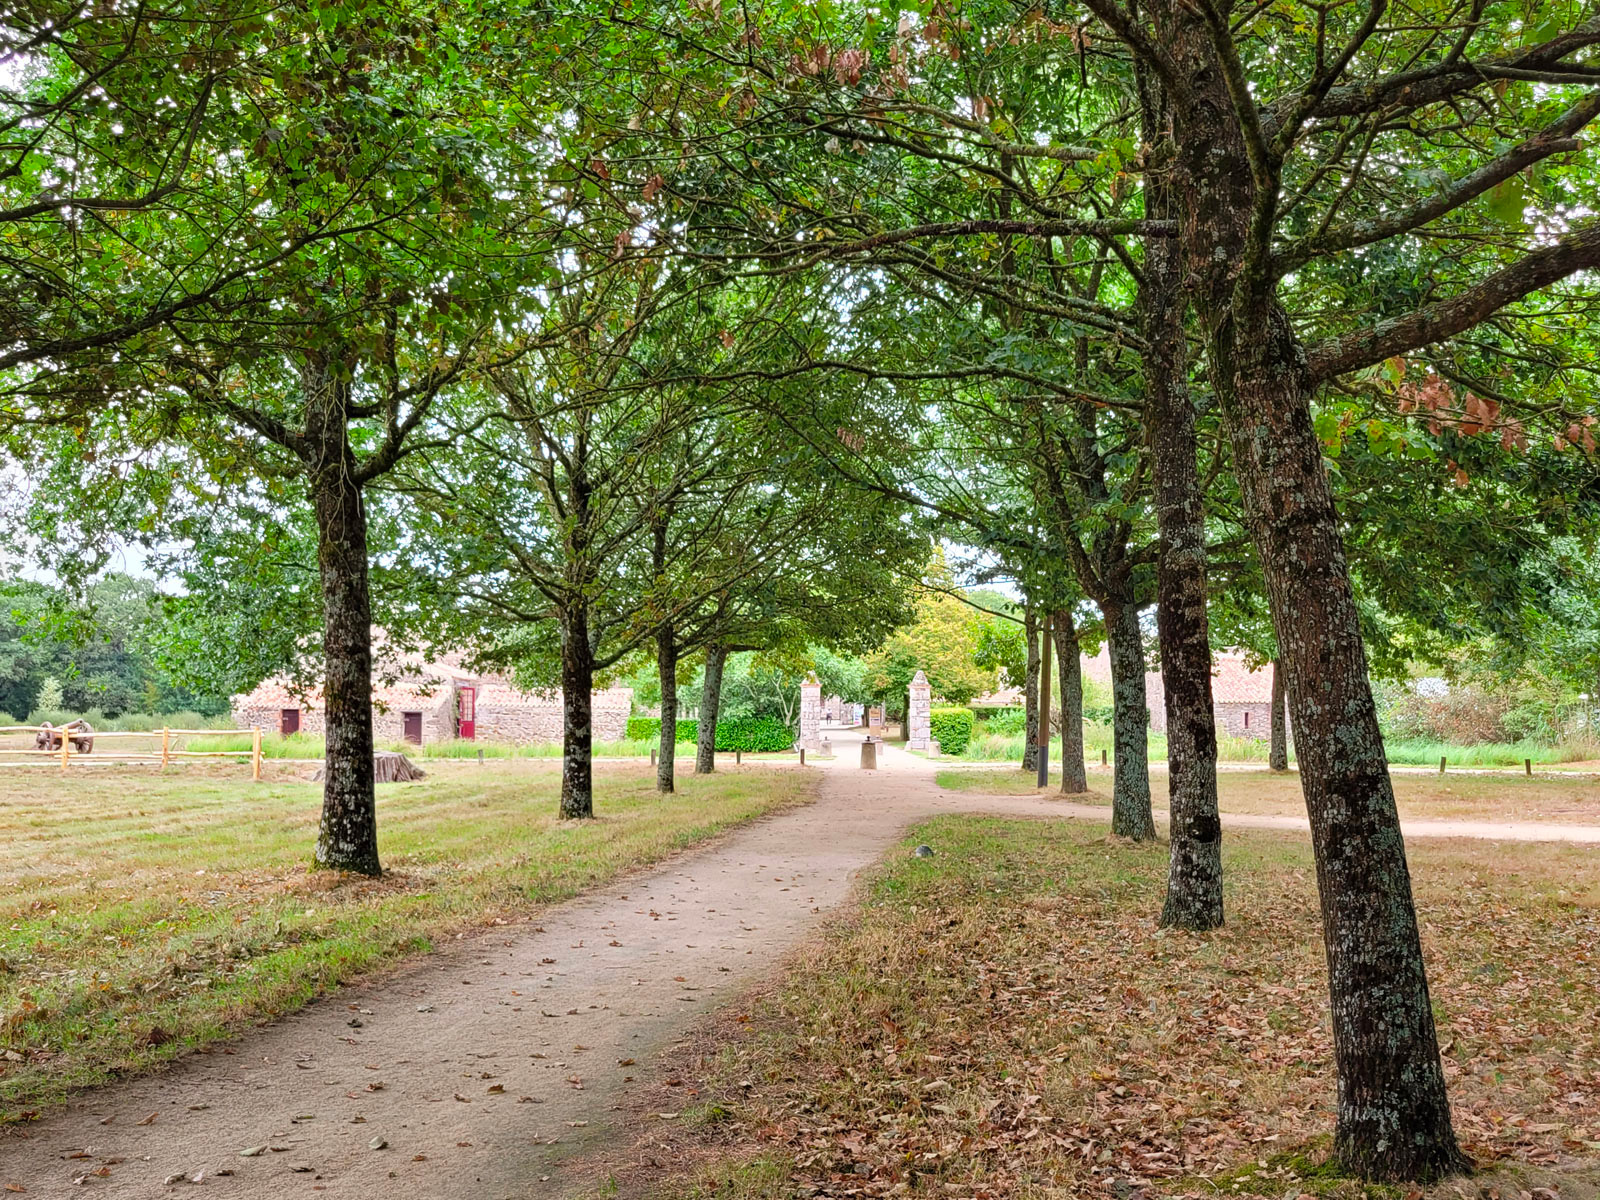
1004, 1019
145, 913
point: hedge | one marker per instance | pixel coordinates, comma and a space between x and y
753, 734
951, 728
750, 734
648, 729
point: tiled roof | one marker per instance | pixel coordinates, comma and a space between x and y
1232, 682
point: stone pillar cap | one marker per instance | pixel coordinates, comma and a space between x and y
919, 679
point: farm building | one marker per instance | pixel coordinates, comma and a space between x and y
435, 701
1241, 697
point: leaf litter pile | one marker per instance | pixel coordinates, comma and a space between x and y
1005, 1020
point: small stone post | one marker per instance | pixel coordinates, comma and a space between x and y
919, 713
811, 714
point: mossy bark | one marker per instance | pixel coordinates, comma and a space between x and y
347, 836
577, 715
1278, 752
1131, 814
1030, 691
1393, 1111
705, 755
667, 670
1074, 775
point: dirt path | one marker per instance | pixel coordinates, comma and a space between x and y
483, 1067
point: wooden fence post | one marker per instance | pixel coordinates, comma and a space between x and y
1527, 766
255, 754
166, 744
1441, 764
66, 745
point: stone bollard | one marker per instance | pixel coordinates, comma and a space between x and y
933, 747
869, 755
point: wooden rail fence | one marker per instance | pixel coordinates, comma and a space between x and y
165, 756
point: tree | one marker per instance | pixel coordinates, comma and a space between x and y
51, 698
390, 224
941, 641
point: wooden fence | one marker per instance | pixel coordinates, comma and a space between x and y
164, 756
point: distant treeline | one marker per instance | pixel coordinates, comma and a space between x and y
100, 652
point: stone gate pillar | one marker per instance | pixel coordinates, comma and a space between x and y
919, 713
811, 713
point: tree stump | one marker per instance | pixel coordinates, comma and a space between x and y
388, 766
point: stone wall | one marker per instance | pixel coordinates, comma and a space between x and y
438, 719
249, 716
526, 720
1231, 719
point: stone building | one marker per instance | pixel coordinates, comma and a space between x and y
436, 701
1240, 696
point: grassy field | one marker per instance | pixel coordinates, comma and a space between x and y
1567, 797
1005, 1020
142, 914
310, 745
995, 747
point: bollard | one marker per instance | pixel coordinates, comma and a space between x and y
652, 756
480, 757
1527, 766
869, 755
1441, 764
1102, 758
738, 756
802, 756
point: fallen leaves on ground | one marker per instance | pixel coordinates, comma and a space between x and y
1006, 1020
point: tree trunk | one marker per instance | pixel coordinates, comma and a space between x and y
577, 705
1394, 1113
1030, 691
1074, 776
1278, 755
667, 668
705, 756
1131, 816
347, 839
1194, 873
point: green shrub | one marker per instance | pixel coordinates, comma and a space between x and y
648, 729
754, 735
1005, 721
951, 728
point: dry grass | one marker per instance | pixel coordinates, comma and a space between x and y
143, 914
1004, 1020
1569, 798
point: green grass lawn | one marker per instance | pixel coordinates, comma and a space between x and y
1005, 1019
144, 913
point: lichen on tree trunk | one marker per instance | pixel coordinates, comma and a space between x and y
1030, 691
1393, 1111
705, 757
667, 670
577, 723
347, 837
1278, 754
1194, 872
1074, 775
1131, 815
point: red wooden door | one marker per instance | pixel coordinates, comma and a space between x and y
467, 713
289, 721
413, 722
